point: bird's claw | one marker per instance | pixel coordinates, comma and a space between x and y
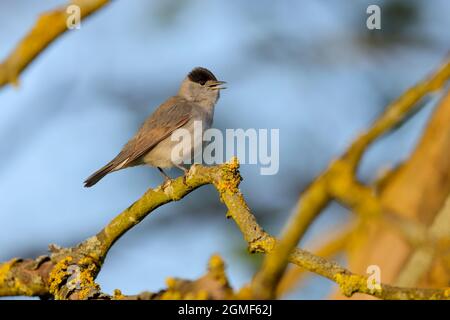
167, 182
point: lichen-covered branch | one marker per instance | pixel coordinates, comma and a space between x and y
69, 273
25, 277
328, 248
411, 197
48, 27
213, 285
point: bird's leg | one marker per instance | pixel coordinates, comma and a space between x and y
186, 171
167, 179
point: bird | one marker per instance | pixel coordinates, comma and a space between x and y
152, 144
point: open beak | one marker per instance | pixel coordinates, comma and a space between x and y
217, 85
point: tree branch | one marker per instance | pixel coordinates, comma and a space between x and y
329, 248
71, 271
339, 182
48, 27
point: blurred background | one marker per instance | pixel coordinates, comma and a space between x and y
309, 68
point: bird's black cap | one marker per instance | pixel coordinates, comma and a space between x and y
201, 75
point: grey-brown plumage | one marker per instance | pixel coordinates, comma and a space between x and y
152, 144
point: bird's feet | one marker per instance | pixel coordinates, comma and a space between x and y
167, 182
185, 179
186, 172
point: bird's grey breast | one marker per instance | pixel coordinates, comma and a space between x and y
162, 154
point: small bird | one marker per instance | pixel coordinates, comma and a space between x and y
152, 144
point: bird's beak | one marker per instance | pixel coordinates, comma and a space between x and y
216, 85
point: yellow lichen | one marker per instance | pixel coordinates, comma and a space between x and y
83, 281
229, 178
245, 293
7, 279
5, 268
201, 295
349, 284
171, 295
87, 283
117, 295
58, 275
171, 282
447, 293
263, 244
216, 267
86, 277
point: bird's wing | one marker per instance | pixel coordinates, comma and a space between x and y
170, 116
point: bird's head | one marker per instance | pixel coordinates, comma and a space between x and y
200, 85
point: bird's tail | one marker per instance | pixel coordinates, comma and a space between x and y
98, 175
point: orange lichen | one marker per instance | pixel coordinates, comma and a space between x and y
58, 275
79, 279
230, 178
117, 295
